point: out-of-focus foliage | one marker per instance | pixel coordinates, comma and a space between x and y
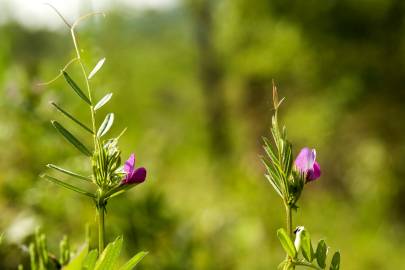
87, 259
340, 65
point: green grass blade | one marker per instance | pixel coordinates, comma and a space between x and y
103, 101
106, 125
71, 117
62, 170
66, 185
70, 138
134, 261
76, 88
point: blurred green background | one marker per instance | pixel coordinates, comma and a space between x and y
192, 82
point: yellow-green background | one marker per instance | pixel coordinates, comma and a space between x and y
205, 203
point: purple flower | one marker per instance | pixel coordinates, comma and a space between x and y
133, 176
305, 163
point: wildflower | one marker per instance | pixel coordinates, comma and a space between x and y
133, 176
305, 163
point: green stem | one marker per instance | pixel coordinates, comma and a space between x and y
99, 204
288, 212
101, 228
92, 112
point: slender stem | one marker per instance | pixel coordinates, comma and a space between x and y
101, 228
288, 212
99, 205
289, 222
92, 112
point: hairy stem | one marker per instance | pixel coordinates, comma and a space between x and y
101, 228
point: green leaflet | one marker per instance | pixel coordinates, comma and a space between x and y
109, 257
335, 263
70, 138
66, 185
106, 125
52, 166
90, 261
77, 261
306, 246
103, 101
76, 88
119, 190
96, 68
321, 252
274, 171
286, 243
72, 117
134, 261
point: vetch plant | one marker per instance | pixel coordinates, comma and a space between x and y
288, 179
108, 177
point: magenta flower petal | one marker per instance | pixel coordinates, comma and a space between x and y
138, 176
133, 175
305, 163
315, 173
130, 164
305, 159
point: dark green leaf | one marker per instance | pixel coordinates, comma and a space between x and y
321, 251
286, 242
76, 88
66, 185
106, 125
134, 261
335, 264
71, 117
103, 101
70, 138
52, 166
109, 257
